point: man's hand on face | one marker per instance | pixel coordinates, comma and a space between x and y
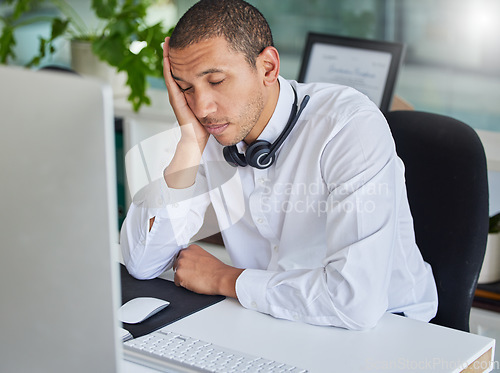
201, 272
191, 128
195, 268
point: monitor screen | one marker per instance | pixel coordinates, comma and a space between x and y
58, 271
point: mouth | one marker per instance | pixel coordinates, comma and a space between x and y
216, 129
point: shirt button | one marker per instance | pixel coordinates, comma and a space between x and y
275, 248
262, 180
260, 221
254, 305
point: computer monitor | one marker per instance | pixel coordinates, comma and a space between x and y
370, 66
59, 279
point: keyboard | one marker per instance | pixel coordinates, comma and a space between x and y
168, 351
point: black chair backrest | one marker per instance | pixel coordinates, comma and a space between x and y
447, 184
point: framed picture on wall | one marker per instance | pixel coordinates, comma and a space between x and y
370, 66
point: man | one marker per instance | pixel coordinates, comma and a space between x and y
324, 234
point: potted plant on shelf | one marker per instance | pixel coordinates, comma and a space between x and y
124, 40
490, 271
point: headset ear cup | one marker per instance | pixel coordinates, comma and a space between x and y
233, 156
256, 152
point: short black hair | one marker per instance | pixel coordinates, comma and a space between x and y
241, 24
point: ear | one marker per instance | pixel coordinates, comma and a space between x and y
269, 63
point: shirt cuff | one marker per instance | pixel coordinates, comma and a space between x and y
251, 289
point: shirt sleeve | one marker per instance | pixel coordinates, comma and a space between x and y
365, 183
178, 216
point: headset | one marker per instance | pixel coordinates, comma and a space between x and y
261, 153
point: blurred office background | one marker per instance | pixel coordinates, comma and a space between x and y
452, 62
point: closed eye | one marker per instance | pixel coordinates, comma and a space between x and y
184, 90
217, 83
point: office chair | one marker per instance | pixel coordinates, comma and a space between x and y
446, 180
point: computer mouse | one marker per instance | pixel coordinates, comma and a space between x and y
139, 309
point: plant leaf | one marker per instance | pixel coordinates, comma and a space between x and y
41, 53
137, 71
104, 9
153, 52
59, 27
495, 223
7, 43
22, 6
110, 50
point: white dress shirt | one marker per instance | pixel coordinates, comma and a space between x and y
325, 234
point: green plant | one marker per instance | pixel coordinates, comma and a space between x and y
495, 223
123, 22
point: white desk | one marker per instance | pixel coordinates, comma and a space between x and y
396, 344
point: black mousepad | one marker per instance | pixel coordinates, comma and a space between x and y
182, 301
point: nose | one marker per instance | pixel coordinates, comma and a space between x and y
202, 104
